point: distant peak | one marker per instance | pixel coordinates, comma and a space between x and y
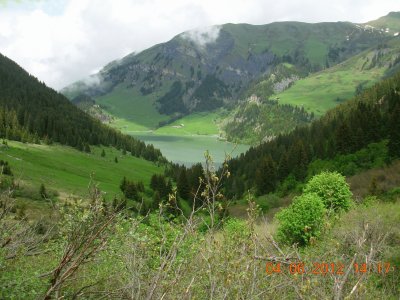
394, 14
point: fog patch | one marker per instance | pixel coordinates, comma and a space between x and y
202, 36
93, 80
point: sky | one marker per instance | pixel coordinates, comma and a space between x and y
62, 41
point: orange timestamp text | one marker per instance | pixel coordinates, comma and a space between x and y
325, 268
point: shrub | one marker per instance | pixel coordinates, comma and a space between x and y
333, 190
302, 220
236, 229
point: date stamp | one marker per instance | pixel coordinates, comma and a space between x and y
328, 268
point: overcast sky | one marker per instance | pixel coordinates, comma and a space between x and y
61, 41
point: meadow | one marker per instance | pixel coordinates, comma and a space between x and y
326, 89
132, 110
70, 171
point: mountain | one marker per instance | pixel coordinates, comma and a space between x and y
297, 100
389, 24
30, 112
357, 134
201, 70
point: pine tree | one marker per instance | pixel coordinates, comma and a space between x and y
266, 176
130, 191
116, 160
394, 133
183, 185
5, 168
156, 200
344, 139
154, 182
103, 153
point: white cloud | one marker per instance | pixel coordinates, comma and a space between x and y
203, 36
60, 41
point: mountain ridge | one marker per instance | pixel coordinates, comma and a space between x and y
204, 70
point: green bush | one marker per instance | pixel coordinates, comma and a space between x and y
236, 229
302, 220
333, 190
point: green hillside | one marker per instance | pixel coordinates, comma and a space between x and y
324, 90
69, 171
389, 23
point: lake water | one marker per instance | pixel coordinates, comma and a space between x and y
189, 150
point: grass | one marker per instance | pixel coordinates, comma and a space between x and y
326, 89
132, 110
204, 123
69, 171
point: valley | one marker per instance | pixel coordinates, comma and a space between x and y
190, 149
223, 163
185, 140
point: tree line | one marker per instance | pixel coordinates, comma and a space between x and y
370, 117
30, 112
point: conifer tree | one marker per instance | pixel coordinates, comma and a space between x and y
156, 200
183, 185
266, 176
394, 132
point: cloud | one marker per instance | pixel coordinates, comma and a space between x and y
203, 36
61, 41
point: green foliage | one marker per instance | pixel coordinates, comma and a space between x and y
302, 221
394, 130
266, 176
374, 155
254, 122
332, 188
236, 230
161, 187
131, 189
183, 185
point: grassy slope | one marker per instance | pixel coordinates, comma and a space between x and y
204, 123
391, 21
319, 92
69, 171
132, 110
282, 37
